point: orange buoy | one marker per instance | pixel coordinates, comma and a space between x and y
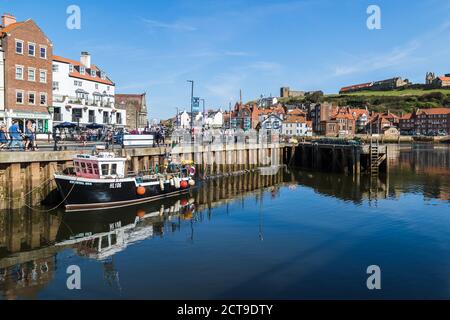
184, 184
141, 213
140, 191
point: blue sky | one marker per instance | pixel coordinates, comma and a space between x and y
256, 46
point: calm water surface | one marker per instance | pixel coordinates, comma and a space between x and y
295, 235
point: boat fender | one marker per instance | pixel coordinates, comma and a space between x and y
192, 171
184, 184
177, 183
140, 191
192, 182
161, 184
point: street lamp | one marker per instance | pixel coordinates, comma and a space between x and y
192, 98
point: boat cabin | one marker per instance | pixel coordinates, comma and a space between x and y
101, 166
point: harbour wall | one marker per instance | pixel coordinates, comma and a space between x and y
26, 178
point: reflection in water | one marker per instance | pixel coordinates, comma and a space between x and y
31, 244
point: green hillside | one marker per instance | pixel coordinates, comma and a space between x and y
396, 101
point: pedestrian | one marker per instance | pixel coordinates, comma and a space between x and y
15, 135
30, 141
3, 137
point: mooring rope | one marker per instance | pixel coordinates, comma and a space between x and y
56, 207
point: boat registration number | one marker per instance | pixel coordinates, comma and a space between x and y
117, 185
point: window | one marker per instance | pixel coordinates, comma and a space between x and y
95, 169
31, 49
83, 167
93, 73
107, 88
55, 85
89, 168
19, 73
19, 97
103, 75
43, 76
114, 169
96, 86
71, 68
82, 70
31, 98
19, 46
31, 74
43, 52
77, 166
105, 169
43, 99
55, 68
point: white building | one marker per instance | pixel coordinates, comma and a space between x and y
215, 119
295, 127
82, 93
272, 122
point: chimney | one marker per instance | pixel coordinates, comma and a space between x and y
8, 19
86, 59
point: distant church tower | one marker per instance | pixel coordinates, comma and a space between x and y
430, 77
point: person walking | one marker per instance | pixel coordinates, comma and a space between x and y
30, 141
4, 139
15, 135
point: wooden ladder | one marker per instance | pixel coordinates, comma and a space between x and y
374, 158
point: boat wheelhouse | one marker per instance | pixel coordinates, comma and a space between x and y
102, 166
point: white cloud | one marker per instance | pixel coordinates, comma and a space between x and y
154, 24
367, 63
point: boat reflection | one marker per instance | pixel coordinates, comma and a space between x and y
100, 236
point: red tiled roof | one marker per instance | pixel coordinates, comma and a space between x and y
406, 116
87, 76
295, 119
10, 27
436, 111
357, 86
444, 78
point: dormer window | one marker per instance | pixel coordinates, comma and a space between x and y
93, 73
103, 75
82, 70
71, 68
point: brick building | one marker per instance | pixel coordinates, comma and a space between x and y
136, 109
26, 74
406, 124
431, 121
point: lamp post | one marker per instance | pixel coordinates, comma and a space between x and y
192, 98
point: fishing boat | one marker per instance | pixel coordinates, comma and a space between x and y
99, 181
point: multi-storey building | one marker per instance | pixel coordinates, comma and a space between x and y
406, 124
135, 106
25, 74
83, 93
431, 121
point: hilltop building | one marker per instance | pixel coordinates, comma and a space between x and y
286, 92
382, 85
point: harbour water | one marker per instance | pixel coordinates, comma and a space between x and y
293, 235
